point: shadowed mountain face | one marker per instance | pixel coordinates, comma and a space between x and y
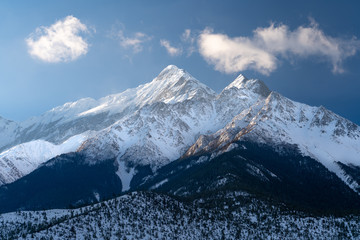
62, 182
177, 136
281, 175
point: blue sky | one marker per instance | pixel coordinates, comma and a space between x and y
54, 52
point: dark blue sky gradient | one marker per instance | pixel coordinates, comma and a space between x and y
30, 87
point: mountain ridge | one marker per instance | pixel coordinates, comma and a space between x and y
136, 133
182, 86
281, 120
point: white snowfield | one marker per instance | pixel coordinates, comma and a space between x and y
175, 114
26, 157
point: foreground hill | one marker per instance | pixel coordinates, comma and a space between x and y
145, 215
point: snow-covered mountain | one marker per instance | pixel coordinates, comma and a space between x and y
162, 130
74, 118
316, 131
24, 158
153, 124
176, 116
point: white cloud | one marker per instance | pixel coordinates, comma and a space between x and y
135, 42
234, 54
59, 42
172, 51
262, 51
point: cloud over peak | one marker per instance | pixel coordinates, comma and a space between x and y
267, 46
59, 42
231, 55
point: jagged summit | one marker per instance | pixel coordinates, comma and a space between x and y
172, 66
173, 85
238, 82
168, 72
255, 85
173, 74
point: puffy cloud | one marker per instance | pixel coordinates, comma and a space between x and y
172, 51
59, 42
262, 51
234, 54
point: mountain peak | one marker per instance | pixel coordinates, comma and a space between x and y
169, 72
238, 82
172, 67
173, 85
255, 85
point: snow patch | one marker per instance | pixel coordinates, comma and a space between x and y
159, 184
97, 196
125, 174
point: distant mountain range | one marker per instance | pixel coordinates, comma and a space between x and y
176, 136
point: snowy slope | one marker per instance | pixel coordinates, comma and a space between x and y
318, 133
8, 131
171, 86
26, 157
162, 130
74, 118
